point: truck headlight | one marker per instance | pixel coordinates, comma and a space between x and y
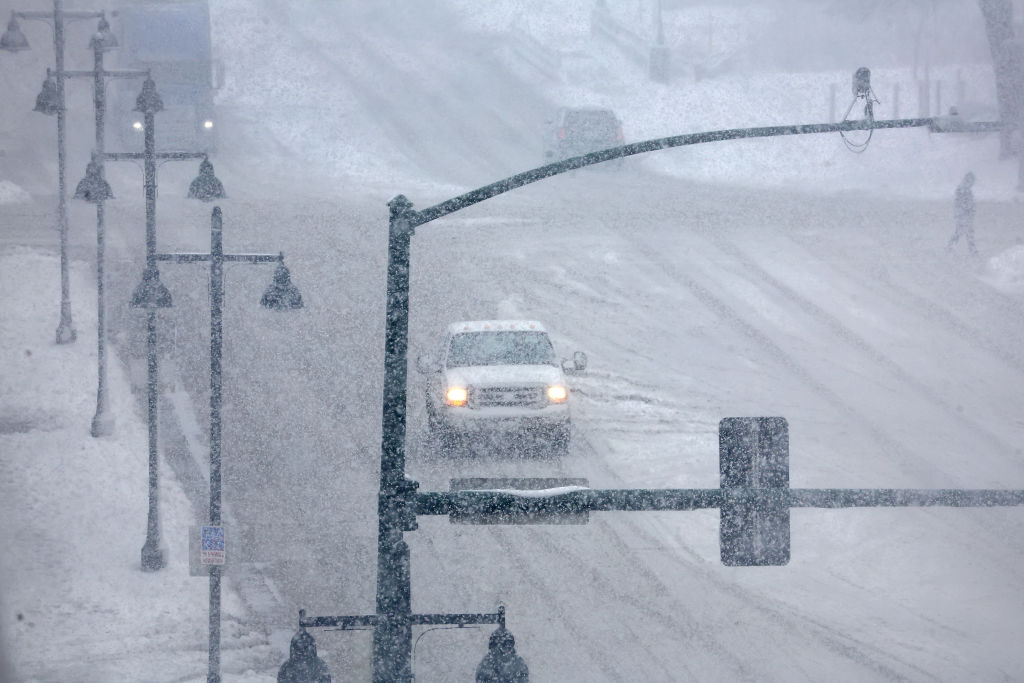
137, 125
208, 124
456, 396
557, 393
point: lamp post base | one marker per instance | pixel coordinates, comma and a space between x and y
102, 424
66, 331
152, 557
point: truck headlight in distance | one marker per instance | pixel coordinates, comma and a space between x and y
137, 125
208, 124
456, 396
557, 393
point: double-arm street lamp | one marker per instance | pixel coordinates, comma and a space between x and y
150, 294
280, 295
51, 101
94, 188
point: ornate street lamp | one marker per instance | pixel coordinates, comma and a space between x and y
51, 102
152, 295
281, 295
94, 188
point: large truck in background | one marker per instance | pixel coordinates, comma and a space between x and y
170, 38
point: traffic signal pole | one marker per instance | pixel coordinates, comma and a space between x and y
754, 452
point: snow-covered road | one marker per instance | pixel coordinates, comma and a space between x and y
890, 358
773, 277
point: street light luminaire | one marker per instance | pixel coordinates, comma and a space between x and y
206, 186
48, 99
13, 40
281, 295
149, 100
103, 39
151, 293
93, 188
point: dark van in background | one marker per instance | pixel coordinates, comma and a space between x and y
171, 38
579, 131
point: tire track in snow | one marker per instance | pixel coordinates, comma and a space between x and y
728, 314
544, 566
940, 314
544, 588
539, 581
668, 613
857, 342
832, 639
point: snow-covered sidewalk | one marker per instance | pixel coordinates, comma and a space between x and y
75, 604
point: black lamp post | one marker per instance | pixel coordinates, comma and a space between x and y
280, 295
660, 55
50, 102
94, 188
152, 295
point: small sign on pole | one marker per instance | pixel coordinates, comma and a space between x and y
212, 549
206, 548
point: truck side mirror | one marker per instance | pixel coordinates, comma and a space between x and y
575, 366
579, 359
425, 364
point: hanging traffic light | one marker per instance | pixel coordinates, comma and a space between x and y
754, 516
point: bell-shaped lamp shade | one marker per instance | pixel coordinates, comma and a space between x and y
151, 293
149, 100
281, 295
206, 186
103, 39
93, 188
48, 101
13, 39
502, 662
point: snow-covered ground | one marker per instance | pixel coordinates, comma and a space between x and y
75, 605
832, 304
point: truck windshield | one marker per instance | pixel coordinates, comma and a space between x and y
501, 348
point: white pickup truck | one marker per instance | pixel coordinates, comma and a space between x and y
499, 378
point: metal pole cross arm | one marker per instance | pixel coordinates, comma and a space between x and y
348, 623
429, 214
125, 73
164, 156
65, 14
227, 258
467, 504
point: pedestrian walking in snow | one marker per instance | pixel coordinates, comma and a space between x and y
963, 209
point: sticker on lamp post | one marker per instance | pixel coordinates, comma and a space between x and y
211, 550
206, 549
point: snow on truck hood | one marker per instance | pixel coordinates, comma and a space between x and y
481, 375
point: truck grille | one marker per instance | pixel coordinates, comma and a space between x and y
506, 396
